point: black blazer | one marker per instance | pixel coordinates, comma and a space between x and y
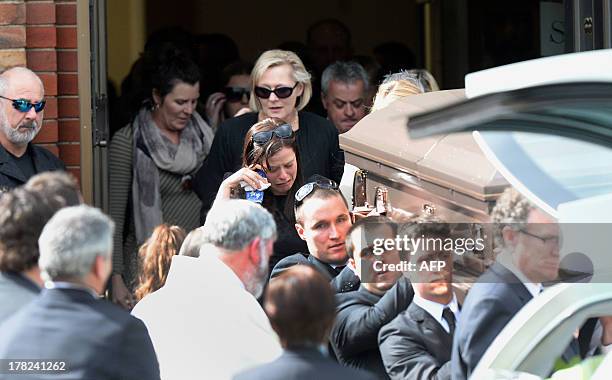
344, 281
317, 141
303, 364
490, 304
11, 176
415, 346
360, 315
97, 339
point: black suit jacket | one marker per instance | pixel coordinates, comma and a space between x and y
11, 176
343, 281
415, 346
97, 339
361, 314
303, 364
490, 304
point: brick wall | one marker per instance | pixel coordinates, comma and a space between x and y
41, 35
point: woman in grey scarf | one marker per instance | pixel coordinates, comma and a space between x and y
151, 161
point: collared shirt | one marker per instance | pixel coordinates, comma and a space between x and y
534, 288
435, 309
70, 285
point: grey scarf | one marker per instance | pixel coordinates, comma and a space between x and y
152, 152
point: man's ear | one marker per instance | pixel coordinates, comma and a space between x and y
100, 268
352, 264
300, 230
253, 251
323, 100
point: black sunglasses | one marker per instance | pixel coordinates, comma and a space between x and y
24, 105
309, 187
280, 92
283, 131
235, 94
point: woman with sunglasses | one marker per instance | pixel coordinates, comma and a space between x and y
151, 161
233, 99
281, 89
270, 145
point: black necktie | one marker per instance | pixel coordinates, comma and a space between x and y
339, 268
449, 317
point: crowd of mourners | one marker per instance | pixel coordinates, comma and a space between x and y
228, 250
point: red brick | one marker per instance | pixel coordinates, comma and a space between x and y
12, 37
50, 82
67, 84
70, 154
67, 37
51, 108
12, 57
70, 130
42, 60
68, 107
12, 14
51, 147
66, 13
41, 37
48, 133
40, 13
67, 60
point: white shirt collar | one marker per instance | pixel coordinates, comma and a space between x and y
435, 309
185, 270
535, 288
70, 285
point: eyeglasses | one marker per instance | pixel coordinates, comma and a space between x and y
283, 131
24, 105
280, 92
552, 240
235, 94
309, 187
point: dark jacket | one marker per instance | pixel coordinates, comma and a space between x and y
415, 346
303, 364
95, 338
361, 314
11, 176
317, 141
341, 281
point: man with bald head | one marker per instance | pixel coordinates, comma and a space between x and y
21, 116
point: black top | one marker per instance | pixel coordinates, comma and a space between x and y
317, 141
11, 174
24, 163
288, 241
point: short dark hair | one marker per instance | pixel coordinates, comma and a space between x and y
301, 306
169, 67
57, 188
367, 223
23, 214
344, 72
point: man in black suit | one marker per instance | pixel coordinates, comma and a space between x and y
382, 295
68, 324
323, 220
300, 305
529, 242
417, 344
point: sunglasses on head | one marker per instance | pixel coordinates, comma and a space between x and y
309, 187
283, 131
280, 92
235, 94
24, 105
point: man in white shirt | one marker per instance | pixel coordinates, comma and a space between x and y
205, 322
417, 343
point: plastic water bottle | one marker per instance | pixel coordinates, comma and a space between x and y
255, 195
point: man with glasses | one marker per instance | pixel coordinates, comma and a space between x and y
21, 118
528, 240
322, 220
344, 88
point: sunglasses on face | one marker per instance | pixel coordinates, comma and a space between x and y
23, 105
309, 187
235, 94
283, 131
280, 92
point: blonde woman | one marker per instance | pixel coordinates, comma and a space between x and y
402, 84
281, 89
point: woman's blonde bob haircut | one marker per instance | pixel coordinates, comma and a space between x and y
272, 58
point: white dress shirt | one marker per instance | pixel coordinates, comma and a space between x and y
435, 309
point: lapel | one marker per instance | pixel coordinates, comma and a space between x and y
367, 297
322, 267
435, 338
9, 168
512, 281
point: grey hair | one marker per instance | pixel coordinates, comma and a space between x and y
421, 78
233, 224
4, 81
192, 243
345, 72
71, 241
512, 209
